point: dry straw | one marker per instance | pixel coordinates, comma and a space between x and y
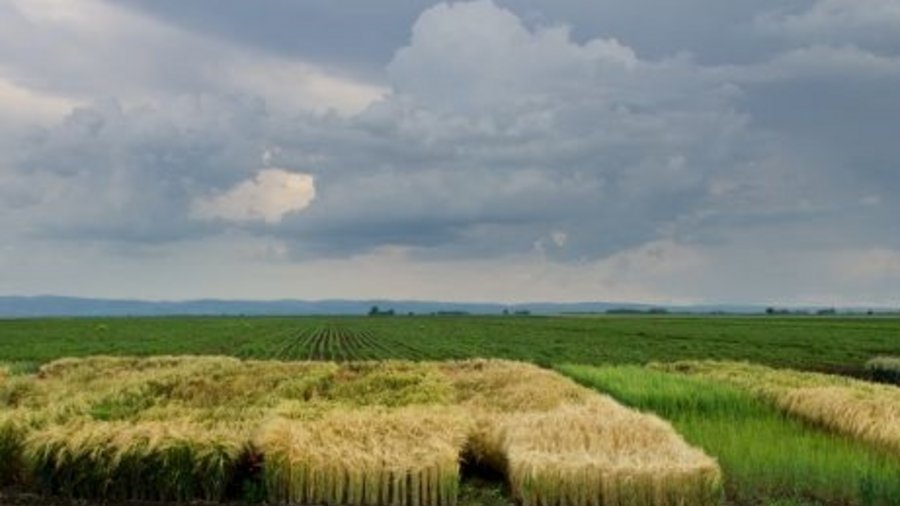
408, 457
369, 433
560, 444
601, 453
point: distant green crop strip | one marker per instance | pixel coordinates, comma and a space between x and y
807, 343
765, 456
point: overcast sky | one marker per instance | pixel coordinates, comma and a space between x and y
555, 150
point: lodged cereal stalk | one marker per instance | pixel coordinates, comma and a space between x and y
600, 453
560, 444
365, 433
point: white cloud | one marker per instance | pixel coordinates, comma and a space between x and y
470, 55
268, 197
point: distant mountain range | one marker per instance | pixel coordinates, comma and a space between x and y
23, 307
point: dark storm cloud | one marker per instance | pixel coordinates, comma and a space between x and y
575, 130
873, 25
357, 36
363, 35
106, 172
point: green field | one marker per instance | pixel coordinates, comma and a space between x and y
811, 343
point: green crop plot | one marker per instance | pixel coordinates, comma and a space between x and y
765, 455
823, 344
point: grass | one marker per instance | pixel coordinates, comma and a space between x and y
766, 457
809, 343
371, 433
860, 409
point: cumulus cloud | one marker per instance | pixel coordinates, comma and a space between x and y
270, 195
471, 55
496, 126
495, 133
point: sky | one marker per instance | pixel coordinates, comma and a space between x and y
535, 150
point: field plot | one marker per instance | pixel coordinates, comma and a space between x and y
765, 456
810, 343
361, 433
868, 411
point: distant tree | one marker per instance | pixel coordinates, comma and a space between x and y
770, 310
505, 312
376, 311
622, 310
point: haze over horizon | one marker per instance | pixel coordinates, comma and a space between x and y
515, 151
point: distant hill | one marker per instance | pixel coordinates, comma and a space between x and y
23, 307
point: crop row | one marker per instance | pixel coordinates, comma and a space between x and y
337, 343
831, 344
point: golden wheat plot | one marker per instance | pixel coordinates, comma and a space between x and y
505, 386
367, 457
368, 433
868, 411
561, 444
127, 461
598, 453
